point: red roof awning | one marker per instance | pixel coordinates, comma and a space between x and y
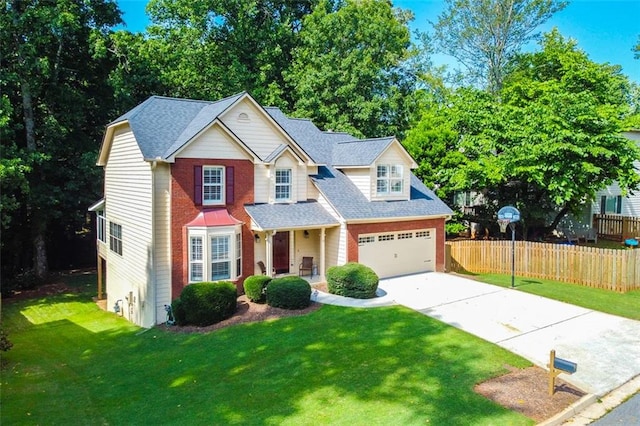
214, 217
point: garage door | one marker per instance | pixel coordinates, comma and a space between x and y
398, 253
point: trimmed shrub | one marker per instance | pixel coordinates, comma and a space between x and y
289, 293
205, 303
352, 280
177, 308
255, 287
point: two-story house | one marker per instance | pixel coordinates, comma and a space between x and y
205, 191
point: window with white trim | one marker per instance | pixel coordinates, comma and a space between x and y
213, 185
215, 253
238, 254
220, 259
101, 226
195, 259
115, 238
389, 179
283, 184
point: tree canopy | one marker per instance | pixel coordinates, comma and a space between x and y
485, 34
350, 72
55, 101
546, 144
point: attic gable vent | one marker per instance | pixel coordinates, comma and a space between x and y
243, 116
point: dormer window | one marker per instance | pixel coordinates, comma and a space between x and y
389, 179
283, 184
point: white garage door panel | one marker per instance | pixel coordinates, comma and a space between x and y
398, 253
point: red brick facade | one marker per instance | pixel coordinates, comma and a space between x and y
354, 230
184, 210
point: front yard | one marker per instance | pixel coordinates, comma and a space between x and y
72, 363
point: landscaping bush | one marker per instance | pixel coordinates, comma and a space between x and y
255, 287
352, 280
205, 303
289, 293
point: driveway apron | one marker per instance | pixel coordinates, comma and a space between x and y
605, 347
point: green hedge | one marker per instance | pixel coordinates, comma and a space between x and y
255, 287
289, 293
205, 303
352, 280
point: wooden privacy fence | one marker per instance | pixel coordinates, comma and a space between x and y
609, 269
616, 227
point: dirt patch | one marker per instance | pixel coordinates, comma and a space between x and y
527, 391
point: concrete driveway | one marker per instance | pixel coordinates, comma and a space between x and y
605, 347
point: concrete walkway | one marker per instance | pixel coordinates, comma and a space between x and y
605, 347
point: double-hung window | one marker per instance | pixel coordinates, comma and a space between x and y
283, 184
220, 258
213, 185
196, 259
389, 179
115, 238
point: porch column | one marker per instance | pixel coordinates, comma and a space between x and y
268, 239
322, 253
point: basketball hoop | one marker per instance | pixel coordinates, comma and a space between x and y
510, 215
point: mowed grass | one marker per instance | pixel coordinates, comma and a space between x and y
74, 364
622, 304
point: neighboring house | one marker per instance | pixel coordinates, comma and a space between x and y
204, 191
609, 200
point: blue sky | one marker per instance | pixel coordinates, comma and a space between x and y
605, 29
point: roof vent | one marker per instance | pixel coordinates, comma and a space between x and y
243, 116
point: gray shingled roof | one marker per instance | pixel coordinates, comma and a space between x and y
163, 125
352, 204
296, 215
360, 152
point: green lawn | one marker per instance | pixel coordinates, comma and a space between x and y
625, 305
74, 364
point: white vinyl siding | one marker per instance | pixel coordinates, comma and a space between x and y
361, 178
261, 183
129, 195
162, 237
214, 143
256, 131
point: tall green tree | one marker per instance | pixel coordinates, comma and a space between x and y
59, 100
547, 144
483, 35
351, 71
212, 48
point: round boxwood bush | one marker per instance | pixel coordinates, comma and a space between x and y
255, 287
205, 303
289, 293
352, 280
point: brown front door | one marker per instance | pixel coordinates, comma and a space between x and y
281, 252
